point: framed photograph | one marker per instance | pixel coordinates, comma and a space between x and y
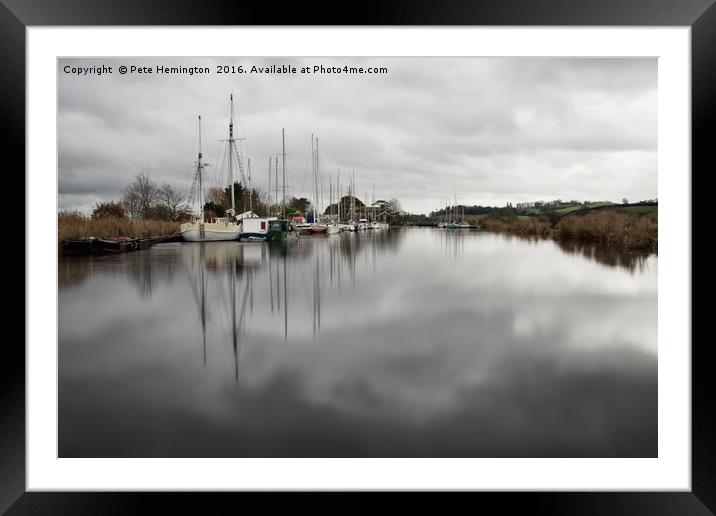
416, 253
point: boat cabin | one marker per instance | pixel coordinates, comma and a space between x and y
280, 225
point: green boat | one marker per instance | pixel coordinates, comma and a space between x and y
281, 231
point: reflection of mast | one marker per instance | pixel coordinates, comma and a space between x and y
202, 252
238, 326
234, 331
285, 301
270, 275
200, 296
237, 348
317, 296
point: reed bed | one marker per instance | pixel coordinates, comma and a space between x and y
528, 227
611, 228
75, 226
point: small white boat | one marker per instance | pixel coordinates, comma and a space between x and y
253, 227
333, 229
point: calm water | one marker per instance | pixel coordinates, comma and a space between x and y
417, 342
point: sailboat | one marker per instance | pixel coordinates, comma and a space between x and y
281, 230
334, 226
458, 220
223, 228
316, 228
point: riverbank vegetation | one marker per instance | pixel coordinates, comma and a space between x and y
608, 227
632, 226
611, 228
73, 225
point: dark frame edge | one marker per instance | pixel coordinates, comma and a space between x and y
12, 379
702, 499
703, 126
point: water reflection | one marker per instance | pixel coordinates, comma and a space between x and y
395, 343
629, 260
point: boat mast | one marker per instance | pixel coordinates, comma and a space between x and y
283, 154
373, 206
199, 166
269, 186
313, 169
319, 194
231, 156
249, 173
330, 193
275, 193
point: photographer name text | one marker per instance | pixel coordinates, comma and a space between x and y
223, 70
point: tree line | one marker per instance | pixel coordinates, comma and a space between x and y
143, 199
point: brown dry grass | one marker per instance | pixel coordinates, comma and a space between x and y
611, 228
496, 225
75, 226
528, 227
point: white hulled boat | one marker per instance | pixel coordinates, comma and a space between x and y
223, 228
199, 229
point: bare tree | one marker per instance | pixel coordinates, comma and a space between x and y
143, 193
130, 203
172, 199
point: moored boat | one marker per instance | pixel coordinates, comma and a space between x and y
83, 246
253, 227
280, 231
318, 229
117, 244
333, 229
224, 228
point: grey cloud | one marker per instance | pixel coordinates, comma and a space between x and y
491, 129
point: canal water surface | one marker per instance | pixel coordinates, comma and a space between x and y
400, 343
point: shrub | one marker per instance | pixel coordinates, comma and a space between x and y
108, 209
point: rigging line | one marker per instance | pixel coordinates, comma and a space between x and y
215, 179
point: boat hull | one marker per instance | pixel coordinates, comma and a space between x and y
212, 232
252, 237
110, 245
281, 236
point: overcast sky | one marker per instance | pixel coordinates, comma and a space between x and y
485, 130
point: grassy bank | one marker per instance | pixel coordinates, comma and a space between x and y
609, 227
75, 226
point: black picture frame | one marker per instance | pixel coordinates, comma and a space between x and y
699, 15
